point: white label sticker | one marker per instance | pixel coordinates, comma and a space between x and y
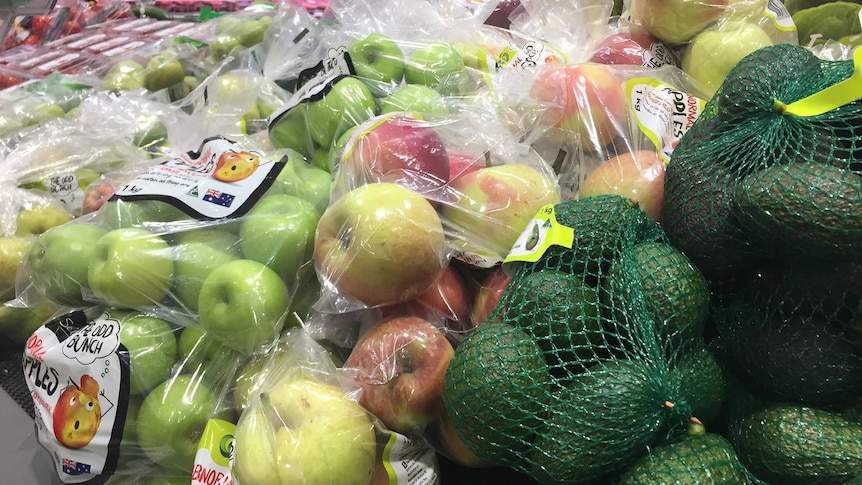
663, 113
658, 55
219, 180
124, 49
410, 462
66, 189
53, 65
40, 58
533, 53
102, 46
89, 40
779, 14
314, 80
79, 385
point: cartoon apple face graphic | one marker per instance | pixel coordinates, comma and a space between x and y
77, 414
236, 166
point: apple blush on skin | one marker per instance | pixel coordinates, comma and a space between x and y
403, 151
400, 365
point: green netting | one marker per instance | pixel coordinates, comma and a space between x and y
594, 354
705, 459
750, 180
795, 331
798, 445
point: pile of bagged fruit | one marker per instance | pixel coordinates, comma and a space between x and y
417, 242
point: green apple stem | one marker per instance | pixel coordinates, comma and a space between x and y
779, 106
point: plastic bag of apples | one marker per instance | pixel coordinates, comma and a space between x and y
219, 239
710, 37
125, 397
376, 57
304, 422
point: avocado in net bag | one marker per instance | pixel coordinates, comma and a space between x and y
571, 378
772, 167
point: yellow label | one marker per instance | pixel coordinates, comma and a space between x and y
506, 56
834, 96
542, 232
217, 438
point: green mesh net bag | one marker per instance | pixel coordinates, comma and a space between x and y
594, 354
772, 168
795, 331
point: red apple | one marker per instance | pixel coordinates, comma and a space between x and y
96, 196
500, 16
448, 299
633, 47
582, 101
400, 150
400, 365
443, 438
490, 292
636, 175
461, 164
490, 207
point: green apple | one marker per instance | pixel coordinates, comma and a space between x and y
10, 124
437, 65
172, 418
36, 220
131, 268
235, 90
125, 75
217, 236
279, 232
378, 58
42, 112
305, 431
152, 348
59, 260
195, 259
381, 243
346, 105
252, 31
243, 303
19, 323
495, 204
118, 214
416, 98
290, 131
196, 348
676, 21
299, 179
227, 25
86, 176
13, 250
249, 381
713, 53
164, 70
336, 153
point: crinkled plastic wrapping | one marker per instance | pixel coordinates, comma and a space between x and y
620, 121
124, 395
303, 422
411, 194
214, 239
712, 36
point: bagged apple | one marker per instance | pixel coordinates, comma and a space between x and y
62, 159
234, 100
212, 239
24, 216
121, 394
303, 424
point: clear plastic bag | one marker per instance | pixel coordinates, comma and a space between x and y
122, 394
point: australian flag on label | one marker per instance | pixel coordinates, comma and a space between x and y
219, 198
72, 467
